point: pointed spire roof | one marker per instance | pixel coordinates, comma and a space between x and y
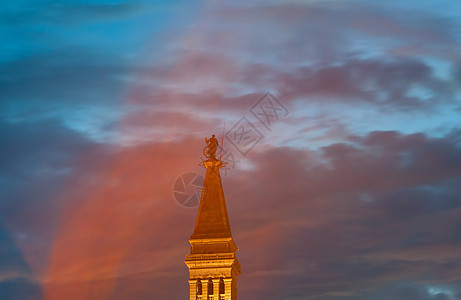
212, 219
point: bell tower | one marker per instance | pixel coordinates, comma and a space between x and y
213, 265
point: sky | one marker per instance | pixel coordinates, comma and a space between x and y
339, 120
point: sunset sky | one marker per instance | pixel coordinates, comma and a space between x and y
353, 191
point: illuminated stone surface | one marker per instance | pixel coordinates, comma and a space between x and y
213, 266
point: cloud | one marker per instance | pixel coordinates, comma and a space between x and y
126, 202
353, 219
20, 289
384, 84
89, 215
70, 13
12, 263
53, 146
36, 159
16, 278
68, 77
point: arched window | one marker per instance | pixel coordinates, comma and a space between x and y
199, 287
210, 287
221, 287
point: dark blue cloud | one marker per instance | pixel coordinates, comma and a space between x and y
66, 79
36, 159
16, 277
31, 148
20, 289
363, 216
409, 291
12, 262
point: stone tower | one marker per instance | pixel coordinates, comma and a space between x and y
213, 266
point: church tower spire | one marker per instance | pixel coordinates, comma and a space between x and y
213, 266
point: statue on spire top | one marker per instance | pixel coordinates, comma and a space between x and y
211, 147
